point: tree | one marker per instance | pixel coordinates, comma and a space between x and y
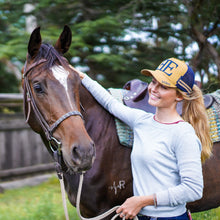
204, 28
114, 40
13, 48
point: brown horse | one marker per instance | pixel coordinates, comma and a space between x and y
55, 90
56, 117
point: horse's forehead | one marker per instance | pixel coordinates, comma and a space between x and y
60, 74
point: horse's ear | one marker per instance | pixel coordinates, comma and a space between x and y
34, 42
63, 43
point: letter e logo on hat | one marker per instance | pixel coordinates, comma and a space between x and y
167, 66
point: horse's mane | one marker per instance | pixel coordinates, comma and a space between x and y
52, 56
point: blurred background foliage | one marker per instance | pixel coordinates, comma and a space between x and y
113, 40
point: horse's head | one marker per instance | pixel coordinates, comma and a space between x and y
51, 101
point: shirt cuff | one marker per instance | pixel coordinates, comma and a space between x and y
163, 198
85, 78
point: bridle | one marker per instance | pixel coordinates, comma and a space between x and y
54, 144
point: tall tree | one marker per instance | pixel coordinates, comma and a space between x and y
114, 40
204, 28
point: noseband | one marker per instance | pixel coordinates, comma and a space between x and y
54, 144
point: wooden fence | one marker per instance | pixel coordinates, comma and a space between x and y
21, 150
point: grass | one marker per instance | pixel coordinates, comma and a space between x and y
43, 202
213, 214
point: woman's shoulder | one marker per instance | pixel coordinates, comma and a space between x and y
186, 131
185, 125
145, 115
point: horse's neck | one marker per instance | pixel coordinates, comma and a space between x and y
95, 116
86, 99
90, 107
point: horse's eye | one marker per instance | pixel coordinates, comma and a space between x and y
37, 88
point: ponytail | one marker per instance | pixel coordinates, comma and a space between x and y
194, 112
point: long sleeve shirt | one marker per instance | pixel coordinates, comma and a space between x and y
165, 158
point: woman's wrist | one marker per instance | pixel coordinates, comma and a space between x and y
149, 200
155, 200
81, 74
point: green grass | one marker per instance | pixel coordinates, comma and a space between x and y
44, 202
213, 214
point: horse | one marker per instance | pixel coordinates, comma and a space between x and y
72, 123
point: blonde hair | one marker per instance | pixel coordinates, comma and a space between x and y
194, 112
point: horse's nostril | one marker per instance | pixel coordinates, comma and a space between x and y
76, 155
93, 152
83, 156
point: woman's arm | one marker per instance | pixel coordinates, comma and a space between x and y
187, 150
119, 110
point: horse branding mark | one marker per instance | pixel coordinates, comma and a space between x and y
121, 185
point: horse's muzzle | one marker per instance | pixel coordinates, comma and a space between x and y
80, 158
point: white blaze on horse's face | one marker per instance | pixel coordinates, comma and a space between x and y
61, 75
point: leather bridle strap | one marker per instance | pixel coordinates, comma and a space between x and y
44, 125
62, 118
27, 70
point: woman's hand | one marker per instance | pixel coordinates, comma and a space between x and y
132, 206
81, 74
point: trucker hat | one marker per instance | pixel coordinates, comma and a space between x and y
175, 73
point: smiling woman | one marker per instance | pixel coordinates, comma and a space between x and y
166, 154
165, 99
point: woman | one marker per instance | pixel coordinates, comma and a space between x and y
166, 154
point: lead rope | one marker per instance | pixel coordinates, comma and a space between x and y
78, 205
59, 171
63, 197
99, 216
60, 176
